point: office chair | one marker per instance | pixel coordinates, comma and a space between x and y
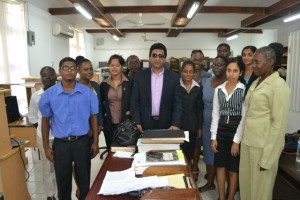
103, 147
39, 153
104, 152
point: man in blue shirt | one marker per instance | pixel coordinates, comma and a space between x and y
70, 110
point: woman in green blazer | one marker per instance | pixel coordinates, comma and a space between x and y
267, 105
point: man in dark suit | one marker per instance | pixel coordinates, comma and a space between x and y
155, 97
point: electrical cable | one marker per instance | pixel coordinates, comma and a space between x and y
19, 146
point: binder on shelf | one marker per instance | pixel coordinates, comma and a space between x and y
163, 136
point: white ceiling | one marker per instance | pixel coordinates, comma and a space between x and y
199, 21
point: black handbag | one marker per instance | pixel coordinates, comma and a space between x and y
126, 134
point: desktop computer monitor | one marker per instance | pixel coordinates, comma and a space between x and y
12, 109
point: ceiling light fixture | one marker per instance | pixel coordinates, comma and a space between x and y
83, 11
116, 37
232, 37
193, 9
291, 18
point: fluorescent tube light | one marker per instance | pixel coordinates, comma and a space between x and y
193, 9
83, 11
232, 37
291, 18
116, 37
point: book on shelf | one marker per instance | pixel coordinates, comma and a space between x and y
163, 136
144, 147
159, 158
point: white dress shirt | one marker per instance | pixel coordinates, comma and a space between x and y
34, 114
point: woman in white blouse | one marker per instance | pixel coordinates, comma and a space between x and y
225, 129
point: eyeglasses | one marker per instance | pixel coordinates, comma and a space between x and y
154, 55
217, 65
68, 68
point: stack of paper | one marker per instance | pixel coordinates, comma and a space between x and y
143, 147
125, 181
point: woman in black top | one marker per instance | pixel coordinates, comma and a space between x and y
248, 75
192, 107
115, 92
86, 72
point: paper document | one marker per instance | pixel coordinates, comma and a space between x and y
125, 181
186, 136
178, 181
123, 154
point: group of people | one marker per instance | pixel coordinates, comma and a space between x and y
237, 113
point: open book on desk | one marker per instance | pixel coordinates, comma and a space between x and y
159, 158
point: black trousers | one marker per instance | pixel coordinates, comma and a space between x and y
65, 154
154, 124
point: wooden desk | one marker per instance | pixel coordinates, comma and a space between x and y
21, 130
12, 176
28, 85
7, 88
116, 164
287, 184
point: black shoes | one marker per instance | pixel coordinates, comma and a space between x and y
206, 188
51, 198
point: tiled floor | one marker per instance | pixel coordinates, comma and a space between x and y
37, 192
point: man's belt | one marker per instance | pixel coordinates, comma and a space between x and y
71, 138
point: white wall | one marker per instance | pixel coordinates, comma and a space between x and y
48, 49
180, 46
283, 35
89, 43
